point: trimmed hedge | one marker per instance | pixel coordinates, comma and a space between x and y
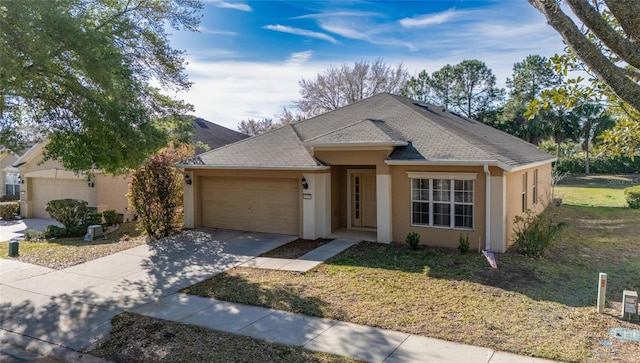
632, 194
9, 209
598, 165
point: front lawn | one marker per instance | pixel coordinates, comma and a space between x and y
63, 253
542, 307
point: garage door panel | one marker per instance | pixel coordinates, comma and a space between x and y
44, 190
263, 205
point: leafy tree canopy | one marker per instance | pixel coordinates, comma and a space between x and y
606, 47
80, 73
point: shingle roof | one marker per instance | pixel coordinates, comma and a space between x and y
421, 133
213, 135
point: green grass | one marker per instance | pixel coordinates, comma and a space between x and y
543, 307
592, 196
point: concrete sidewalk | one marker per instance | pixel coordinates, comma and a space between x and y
68, 310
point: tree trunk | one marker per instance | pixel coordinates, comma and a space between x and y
586, 159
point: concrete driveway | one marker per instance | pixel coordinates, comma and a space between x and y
16, 228
73, 307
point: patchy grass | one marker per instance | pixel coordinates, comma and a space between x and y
296, 249
63, 253
542, 307
595, 190
137, 338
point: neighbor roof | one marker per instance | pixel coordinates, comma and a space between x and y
420, 134
213, 135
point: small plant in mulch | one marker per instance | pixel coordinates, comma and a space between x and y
463, 244
413, 239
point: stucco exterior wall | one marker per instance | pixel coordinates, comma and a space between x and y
6, 162
435, 236
514, 194
356, 158
112, 192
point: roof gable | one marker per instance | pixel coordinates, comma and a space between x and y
365, 132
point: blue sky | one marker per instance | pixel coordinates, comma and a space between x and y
249, 56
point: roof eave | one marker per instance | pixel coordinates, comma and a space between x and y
497, 163
239, 167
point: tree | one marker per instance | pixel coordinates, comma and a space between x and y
338, 87
594, 121
80, 72
530, 78
468, 88
476, 89
254, 127
156, 192
608, 45
418, 88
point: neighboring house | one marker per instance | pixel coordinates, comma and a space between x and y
42, 182
386, 164
8, 174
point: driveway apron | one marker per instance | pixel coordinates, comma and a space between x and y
73, 307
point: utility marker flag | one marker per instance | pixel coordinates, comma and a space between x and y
491, 258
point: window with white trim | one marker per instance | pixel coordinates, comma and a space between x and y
444, 203
12, 183
534, 188
524, 192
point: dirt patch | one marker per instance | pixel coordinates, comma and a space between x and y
137, 338
296, 249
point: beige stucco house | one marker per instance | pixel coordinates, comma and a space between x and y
8, 174
387, 165
43, 181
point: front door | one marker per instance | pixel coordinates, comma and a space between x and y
363, 199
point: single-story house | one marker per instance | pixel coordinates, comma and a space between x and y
42, 182
387, 164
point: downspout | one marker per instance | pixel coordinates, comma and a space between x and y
487, 206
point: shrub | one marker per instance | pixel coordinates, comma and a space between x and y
155, 193
632, 194
533, 233
413, 239
53, 231
9, 209
463, 244
93, 218
110, 217
33, 235
9, 198
69, 212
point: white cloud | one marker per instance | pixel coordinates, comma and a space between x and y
373, 34
205, 30
227, 92
339, 13
303, 32
229, 5
299, 57
425, 20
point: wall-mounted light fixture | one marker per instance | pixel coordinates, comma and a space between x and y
305, 185
20, 180
91, 184
187, 179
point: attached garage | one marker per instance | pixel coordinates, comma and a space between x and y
46, 189
251, 204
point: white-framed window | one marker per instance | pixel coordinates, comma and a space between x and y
534, 188
524, 192
445, 203
12, 183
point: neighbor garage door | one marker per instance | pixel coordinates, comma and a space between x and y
45, 189
261, 205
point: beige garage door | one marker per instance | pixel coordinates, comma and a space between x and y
45, 189
261, 205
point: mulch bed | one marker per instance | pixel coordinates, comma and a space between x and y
296, 249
